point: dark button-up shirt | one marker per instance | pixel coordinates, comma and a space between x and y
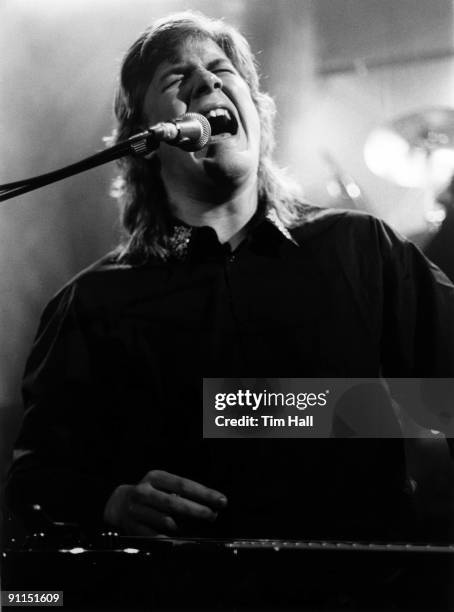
113, 385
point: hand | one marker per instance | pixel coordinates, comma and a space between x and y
159, 503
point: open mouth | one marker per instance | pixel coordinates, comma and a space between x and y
222, 122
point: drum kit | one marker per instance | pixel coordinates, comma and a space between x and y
416, 150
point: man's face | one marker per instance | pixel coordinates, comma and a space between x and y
203, 80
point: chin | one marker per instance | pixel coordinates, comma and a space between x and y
230, 174
229, 165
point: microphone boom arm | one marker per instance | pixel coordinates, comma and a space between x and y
138, 145
190, 133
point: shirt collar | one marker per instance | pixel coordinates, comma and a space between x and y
183, 237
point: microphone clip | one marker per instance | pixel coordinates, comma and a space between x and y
148, 141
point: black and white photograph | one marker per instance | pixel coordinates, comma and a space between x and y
227, 305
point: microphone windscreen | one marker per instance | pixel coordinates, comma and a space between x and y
196, 128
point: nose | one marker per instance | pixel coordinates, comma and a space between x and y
205, 82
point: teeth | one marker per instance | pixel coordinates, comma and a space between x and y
218, 112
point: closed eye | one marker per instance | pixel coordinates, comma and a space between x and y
173, 82
229, 70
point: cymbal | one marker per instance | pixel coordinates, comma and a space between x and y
414, 150
433, 127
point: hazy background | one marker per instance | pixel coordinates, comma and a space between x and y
337, 68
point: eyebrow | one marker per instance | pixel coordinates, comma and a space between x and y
177, 68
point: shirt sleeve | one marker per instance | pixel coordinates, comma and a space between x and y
417, 332
55, 461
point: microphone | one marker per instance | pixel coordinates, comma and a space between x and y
191, 132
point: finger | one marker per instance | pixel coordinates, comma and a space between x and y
172, 504
152, 518
189, 489
134, 528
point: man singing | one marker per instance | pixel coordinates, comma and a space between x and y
223, 272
